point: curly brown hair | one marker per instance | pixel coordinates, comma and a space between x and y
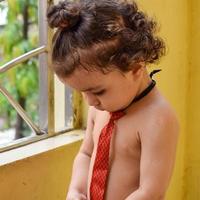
102, 34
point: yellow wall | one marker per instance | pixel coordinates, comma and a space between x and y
180, 82
42, 177
45, 176
192, 164
173, 17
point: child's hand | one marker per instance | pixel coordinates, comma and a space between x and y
76, 196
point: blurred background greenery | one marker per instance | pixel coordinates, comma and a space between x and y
18, 35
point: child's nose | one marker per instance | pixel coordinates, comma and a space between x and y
91, 99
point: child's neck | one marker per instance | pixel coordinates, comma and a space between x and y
146, 81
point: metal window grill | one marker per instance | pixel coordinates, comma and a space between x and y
12, 101
46, 126
44, 62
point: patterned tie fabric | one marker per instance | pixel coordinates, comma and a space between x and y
101, 164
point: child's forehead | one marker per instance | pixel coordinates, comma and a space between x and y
94, 74
85, 80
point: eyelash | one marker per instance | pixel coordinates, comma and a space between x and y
99, 93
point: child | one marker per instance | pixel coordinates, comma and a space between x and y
101, 48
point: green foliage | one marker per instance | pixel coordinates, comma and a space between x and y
22, 81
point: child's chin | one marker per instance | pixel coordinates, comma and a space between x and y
98, 108
103, 109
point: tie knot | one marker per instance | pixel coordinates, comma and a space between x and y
116, 115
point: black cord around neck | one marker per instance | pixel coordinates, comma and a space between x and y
147, 90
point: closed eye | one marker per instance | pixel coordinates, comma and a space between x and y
99, 93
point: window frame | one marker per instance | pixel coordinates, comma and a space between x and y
46, 127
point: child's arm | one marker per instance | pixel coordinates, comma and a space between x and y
78, 185
158, 145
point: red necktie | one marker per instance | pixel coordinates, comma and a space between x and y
101, 164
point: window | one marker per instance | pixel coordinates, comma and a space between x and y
31, 97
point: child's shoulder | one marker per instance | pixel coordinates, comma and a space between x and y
163, 110
159, 118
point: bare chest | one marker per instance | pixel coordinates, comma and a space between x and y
124, 157
125, 143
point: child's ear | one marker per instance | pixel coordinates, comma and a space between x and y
138, 69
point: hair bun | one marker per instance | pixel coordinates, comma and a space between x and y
64, 15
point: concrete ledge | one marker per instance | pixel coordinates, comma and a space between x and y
40, 147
